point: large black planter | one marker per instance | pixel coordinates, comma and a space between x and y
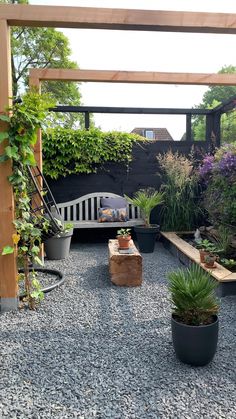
195, 345
146, 237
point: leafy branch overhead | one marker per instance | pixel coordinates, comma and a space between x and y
79, 151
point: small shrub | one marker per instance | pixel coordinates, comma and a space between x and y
193, 296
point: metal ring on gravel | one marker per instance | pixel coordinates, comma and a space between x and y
55, 272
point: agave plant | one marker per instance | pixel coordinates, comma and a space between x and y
146, 200
193, 296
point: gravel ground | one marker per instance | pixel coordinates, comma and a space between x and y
94, 350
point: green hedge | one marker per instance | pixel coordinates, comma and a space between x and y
67, 151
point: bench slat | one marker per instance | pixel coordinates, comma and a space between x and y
74, 212
96, 224
86, 211
80, 211
92, 209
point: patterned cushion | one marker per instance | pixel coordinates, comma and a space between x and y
112, 215
118, 202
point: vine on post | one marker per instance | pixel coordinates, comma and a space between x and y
23, 123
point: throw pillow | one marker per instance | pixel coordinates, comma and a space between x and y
118, 202
112, 215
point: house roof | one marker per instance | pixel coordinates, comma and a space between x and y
160, 134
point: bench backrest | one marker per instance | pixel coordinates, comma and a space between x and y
86, 207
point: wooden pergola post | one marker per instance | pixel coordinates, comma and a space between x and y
8, 268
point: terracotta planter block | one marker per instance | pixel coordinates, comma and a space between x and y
125, 269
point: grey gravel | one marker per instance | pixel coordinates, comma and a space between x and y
94, 350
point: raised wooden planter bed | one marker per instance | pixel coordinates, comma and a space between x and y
188, 254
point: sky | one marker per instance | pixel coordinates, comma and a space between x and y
148, 51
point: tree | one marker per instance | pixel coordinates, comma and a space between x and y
44, 48
211, 98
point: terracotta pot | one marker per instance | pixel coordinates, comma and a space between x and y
210, 261
203, 254
123, 241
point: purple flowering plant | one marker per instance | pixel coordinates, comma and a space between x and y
207, 166
218, 174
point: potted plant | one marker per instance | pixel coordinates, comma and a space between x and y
210, 260
146, 200
58, 246
123, 237
205, 248
194, 320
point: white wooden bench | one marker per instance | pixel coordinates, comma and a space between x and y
83, 212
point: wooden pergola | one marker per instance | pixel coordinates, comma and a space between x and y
88, 18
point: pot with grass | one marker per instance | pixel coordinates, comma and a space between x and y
58, 246
146, 200
194, 321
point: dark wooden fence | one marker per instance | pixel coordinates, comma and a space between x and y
142, 172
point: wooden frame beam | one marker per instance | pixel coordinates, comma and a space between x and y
8, 270
118, 19
146, 77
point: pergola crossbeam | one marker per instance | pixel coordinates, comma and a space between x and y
145, 77
118, 19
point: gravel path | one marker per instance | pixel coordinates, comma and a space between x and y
94, 350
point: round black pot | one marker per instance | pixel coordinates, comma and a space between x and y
195, 345
146, 237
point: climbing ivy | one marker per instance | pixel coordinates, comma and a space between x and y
67, 151
19, 141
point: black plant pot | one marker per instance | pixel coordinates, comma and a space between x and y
195, 345
146, 237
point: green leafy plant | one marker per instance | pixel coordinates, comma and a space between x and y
124, 232
26, 118
206, 245
228, 263
65, 228
193, 297
146, 200
180, 211
69, 151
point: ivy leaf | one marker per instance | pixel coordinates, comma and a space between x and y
3, 136
7, 250
37, 295
38, 261
29, 158
12, 152
4, 118
35, 249
24, 248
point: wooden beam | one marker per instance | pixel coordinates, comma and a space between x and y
121, 19
8, 270
151, 77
